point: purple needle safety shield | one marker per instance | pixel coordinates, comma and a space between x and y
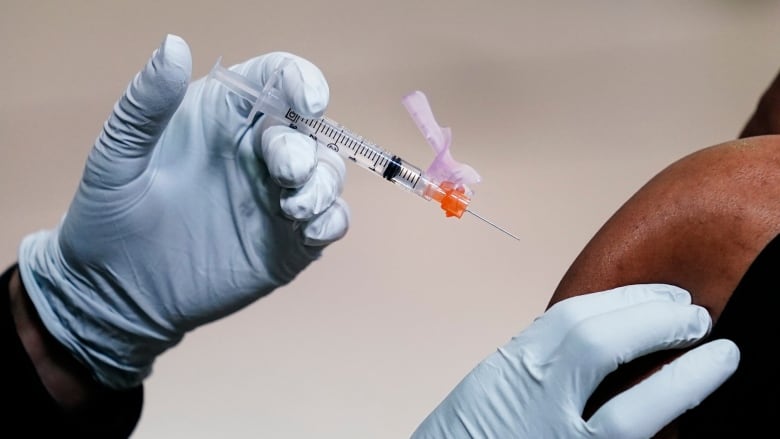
444, 167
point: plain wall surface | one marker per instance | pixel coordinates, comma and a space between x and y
564, 108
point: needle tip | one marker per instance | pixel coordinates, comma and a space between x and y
501, 229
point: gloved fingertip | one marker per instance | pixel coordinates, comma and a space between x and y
677, 294
123, 148
159, 88
297, 208
290, 156
302, 83
315, 99
704, 319
727, 351
307, 202
170, 66
307, 88
657, 290
174, 54
329, 227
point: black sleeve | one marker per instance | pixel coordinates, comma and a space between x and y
29, 410
748, 401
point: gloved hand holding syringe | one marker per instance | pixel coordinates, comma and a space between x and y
445, 181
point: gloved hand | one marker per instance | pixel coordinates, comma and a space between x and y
186, 212
536, 386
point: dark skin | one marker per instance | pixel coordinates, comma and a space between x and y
67, 380
698, 224
766, 119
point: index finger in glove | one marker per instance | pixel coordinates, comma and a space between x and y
600, 344
302, 83
581, 307
647, 407
290, 156
550, 328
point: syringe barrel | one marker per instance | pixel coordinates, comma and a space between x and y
352, 147
355, 148
268, 100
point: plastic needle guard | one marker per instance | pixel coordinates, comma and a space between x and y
444, 167
453, 200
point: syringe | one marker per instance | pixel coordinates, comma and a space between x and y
453, 198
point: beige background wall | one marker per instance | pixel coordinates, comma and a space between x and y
565, 108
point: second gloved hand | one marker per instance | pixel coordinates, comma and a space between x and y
186, 212
537, 385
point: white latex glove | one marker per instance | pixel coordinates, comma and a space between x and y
536, 386
185, 214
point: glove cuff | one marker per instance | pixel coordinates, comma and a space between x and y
73, 314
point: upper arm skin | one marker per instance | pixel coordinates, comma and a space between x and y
699, 224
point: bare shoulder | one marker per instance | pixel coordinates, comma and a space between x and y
698, 224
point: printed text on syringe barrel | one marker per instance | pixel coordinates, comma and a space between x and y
361, 151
